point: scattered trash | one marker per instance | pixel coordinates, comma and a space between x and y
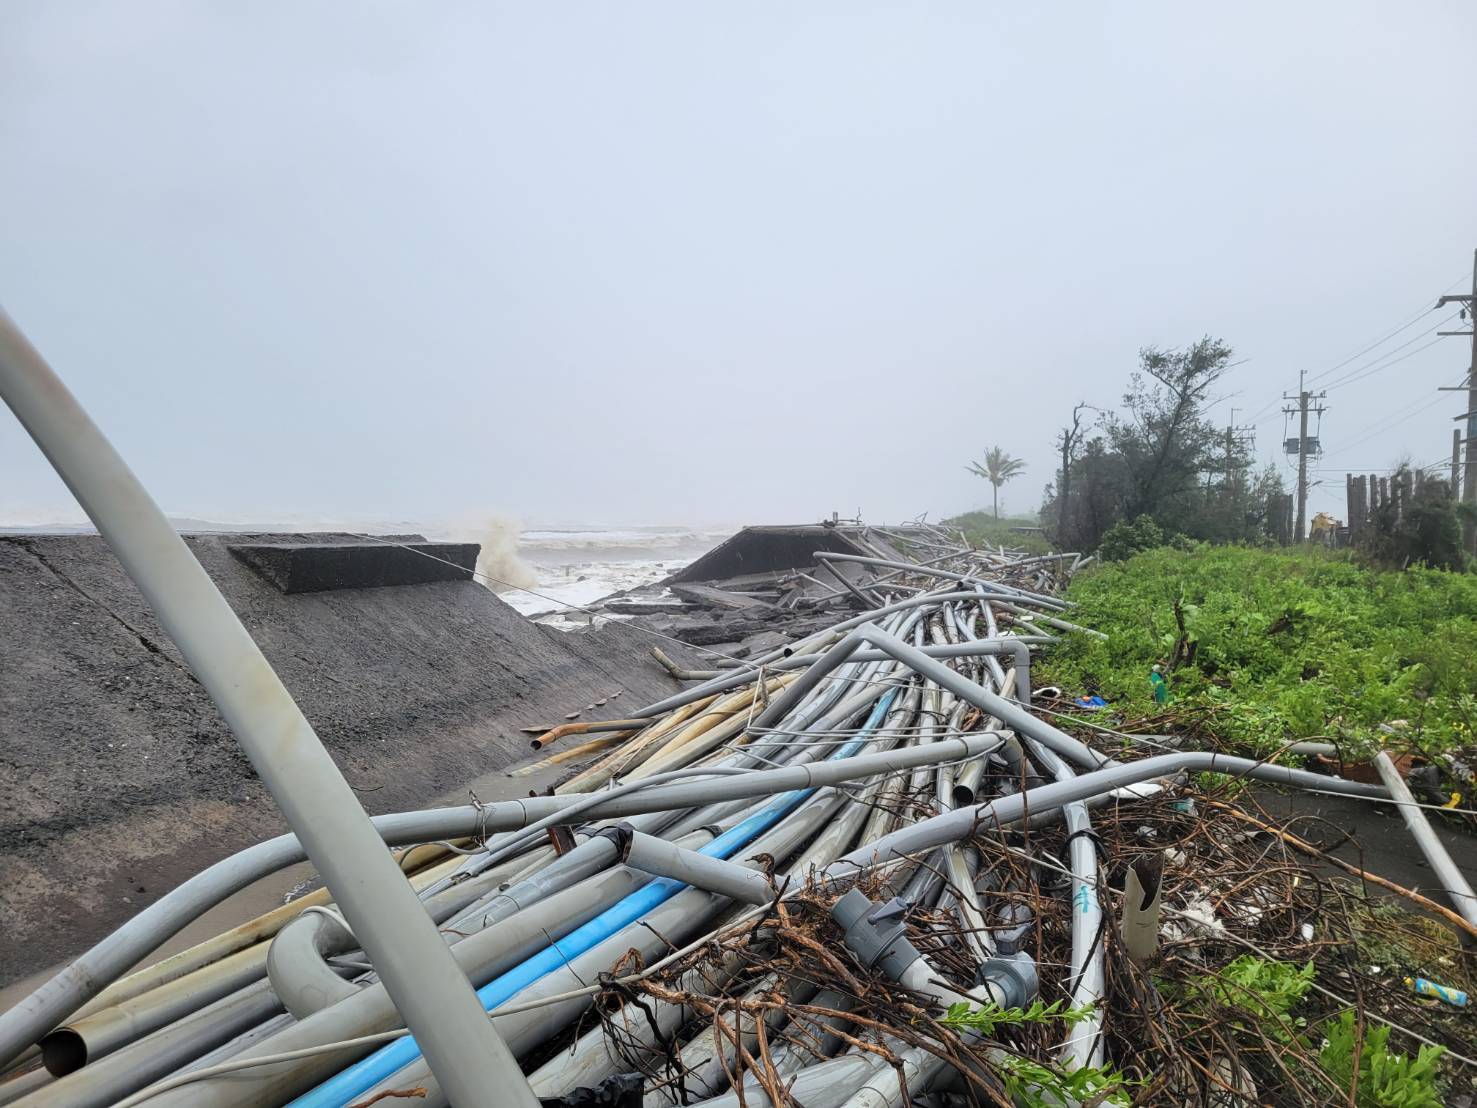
1419, 985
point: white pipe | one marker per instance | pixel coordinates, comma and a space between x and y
1456, 887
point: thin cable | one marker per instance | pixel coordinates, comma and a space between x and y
1380, 364
1403, 327
1378, 428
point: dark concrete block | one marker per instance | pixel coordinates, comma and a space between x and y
326, 567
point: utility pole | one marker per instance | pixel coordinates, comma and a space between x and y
1469, 473
1456, 462
1300, 531
1234, 436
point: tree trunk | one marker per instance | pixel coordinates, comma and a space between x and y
995, 494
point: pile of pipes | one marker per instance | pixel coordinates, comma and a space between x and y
721, 908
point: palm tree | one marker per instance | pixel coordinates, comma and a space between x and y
999, 468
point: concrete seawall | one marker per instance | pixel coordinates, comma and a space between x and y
119, 777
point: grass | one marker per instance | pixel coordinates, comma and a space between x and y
1265, 647
983, 529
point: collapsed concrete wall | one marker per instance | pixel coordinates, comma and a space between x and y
120, 779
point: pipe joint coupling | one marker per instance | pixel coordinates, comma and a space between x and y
1012, 980
876, 933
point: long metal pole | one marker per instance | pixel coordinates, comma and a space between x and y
429, 990
1301, 531
1453, 883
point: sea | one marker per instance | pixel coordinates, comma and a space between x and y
547, 571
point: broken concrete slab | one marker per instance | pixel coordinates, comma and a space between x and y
722, 598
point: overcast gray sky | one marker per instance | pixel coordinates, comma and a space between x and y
675, 262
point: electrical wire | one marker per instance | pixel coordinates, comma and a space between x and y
1379, 365
1365, 350
1375, 429
1378, 342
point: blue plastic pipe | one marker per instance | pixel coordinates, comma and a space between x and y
363, 1075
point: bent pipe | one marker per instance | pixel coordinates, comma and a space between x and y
301, 977
1004, 811
75, 984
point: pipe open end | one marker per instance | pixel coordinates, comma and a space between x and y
63, 1052
963, 796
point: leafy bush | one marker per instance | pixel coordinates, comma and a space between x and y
1427, 531
1124, 539
1266, 647
1265, 990
1387, 1079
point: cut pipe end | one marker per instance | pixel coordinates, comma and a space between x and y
63, 1052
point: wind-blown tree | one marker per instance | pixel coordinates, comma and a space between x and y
1160, 457
998, 468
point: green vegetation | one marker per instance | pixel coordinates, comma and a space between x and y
1030, 1083
1387, 1079
1160, 456
997, 468
1033, 1085
1265, 991
983, 529
1259, 996
1265, 647
986, 1018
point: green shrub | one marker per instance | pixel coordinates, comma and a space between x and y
1387, 1079
983, 529
1280, 645
1125, 539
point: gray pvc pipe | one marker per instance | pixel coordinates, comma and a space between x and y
799, 689
824, 1085
594, 1056
673, 922
715, 875
1083, 1045
948, 575
481, 957
287, 755
99, 1033
108, 1080
751, 666
51, 1003
1006, 810
707, 1057
1018, 648
1453, 882
986, 701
